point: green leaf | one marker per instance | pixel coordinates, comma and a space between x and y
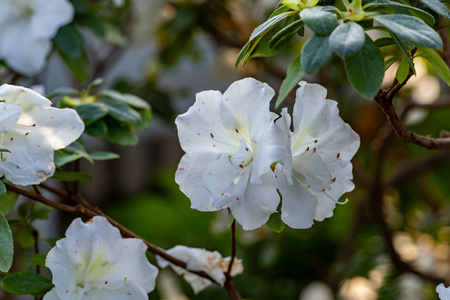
104, 155
286, 33
275, 223
63, 91
72, 176
438, 64
347, 39
388, 62
6, 245
294, 74
97, 129
402, 71
40, 211
63, 157
3, 189
411, 29
129, 99
26, 283
365, 69
384, 41
403, 50
318, 20
91, 112
437, 7
316, 53
38, 259
69, 43
260, 30
146, 118
7, 202
79, 149
122, 112
421, 13
121, 134
24, 236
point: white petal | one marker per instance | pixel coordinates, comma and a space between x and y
312, 168
60, 126
27, 57
25, 97
310, 117
52, 295
274, 147
30, 160
130, 290
200, 128
340, 138
258, 203
49, 16
9, 116
246, 107
189, 177
326, 201
444, 293
134, 265
298, 204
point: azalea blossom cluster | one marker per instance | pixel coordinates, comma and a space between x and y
30, 131
243, 157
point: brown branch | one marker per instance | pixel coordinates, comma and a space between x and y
82, 210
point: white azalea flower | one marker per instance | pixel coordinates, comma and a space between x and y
26, 30
94, 262
444, 293
230, 142
197, 259
31, 130
322, 146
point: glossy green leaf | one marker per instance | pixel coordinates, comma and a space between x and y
384, 41
26, 283
365, 69
104, 155
62, 91
63, 157
7, 202
347, 39
122, 112
437, 7
97, 129
6, 245
38, 259
411, 29
79, 149
402, 71
286, 33
294, 74
24, 236
319, 20
275, 223
439, 65
264, 27
72, 176
146, 118
91, 112
121, 134
316, 53
427, 17
388, 62
69, 43
400, 45
40, 211
129, 99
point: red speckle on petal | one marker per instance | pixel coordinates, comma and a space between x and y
181, 169
198, 133
214, 145
67, 291
17, 167
76, 252
39, 146
51, 117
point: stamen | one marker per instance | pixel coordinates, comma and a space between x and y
212, 135
237, 131
338, 155
333, 180
307, 149
314, 150
315, 142
241, 166
246, 148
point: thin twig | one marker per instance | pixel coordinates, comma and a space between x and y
233, 247
81, 210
